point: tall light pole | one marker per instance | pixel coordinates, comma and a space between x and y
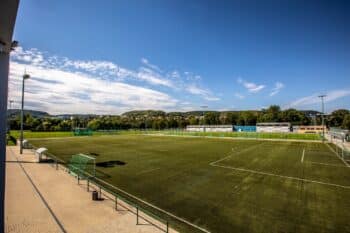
204, 107
322, 99
11, 102
9, 122
25, 76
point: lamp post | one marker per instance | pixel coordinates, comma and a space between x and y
322, 99
8, 118
11, 102
204, 107
25, 76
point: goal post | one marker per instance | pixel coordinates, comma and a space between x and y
345, 153
82, 132
82, 165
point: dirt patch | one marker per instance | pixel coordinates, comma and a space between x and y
112, 163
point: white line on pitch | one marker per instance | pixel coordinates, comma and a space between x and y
346, 164
328, 164
240, 152
281, 176
302, 157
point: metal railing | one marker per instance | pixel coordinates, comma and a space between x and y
122, 198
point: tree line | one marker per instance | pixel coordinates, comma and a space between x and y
158, 120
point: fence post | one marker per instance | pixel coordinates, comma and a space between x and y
137, 215
56, 164
87, 184
78, 179
100, 192
167, 226
116, 203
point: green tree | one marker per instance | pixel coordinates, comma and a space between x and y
336, 118
346, 122
212, 118
94, 124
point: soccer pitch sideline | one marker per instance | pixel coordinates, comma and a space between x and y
225, 185
250, 135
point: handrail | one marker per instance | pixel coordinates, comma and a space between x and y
93, 179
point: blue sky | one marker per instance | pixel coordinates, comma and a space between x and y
107, 57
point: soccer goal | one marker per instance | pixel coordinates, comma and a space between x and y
82, 132
346, 154
82, 165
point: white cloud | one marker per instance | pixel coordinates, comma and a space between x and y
103, 69
250, 86
66, 92
278, 87
62, 85
314, 99
152, 77
239, 96
150, 65
175, 74
205, 93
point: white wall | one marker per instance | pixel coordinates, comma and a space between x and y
209, 129
273, 129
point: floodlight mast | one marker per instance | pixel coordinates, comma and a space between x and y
322, 99
25, 76
9, 122
203, 107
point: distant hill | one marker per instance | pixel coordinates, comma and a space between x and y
144, 113
81, 116
12, 113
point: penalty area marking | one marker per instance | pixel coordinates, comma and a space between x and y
302, 157
281, 176
240, 152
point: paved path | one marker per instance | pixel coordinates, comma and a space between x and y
39, 198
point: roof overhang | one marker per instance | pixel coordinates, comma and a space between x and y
8, 13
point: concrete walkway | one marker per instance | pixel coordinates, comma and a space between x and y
40, 198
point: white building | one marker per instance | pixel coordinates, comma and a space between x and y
210, 128
273, 127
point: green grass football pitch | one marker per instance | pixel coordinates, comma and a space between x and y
226, 185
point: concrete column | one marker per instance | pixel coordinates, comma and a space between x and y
4, 71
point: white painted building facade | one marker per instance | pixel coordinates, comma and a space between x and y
273, 127
209, 128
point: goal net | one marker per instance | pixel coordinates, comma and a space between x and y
82, 132
82, 165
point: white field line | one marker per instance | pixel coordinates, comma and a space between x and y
230, 155
147, 171
331, 149
327, 164
281, 176
231, 138
302, 157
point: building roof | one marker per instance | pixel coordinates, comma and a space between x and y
8, 13
273, 124
210, 126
